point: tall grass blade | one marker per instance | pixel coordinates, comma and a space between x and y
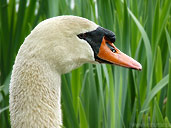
148, 50
93, 101
4, 39
75, 87
159, 116
158, 66
133, 117
165, 12
83, 120
152, 93
168, 41
155, 25
68, 105
4, 109
168, 104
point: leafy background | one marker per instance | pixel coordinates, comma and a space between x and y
101, 96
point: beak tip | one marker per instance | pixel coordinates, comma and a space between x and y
136, 65
139, 67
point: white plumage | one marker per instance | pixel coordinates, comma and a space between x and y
51, 49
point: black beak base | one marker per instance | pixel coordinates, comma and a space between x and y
94, 38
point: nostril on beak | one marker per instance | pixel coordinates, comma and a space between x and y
111, 48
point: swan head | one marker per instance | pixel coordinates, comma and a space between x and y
67, 42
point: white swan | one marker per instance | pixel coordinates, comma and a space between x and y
56, 46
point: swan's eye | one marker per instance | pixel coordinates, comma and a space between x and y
111, 48
82, 36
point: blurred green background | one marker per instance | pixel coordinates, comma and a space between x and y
101, 96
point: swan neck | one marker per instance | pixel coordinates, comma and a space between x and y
35, 95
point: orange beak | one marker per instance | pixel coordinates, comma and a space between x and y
110, 53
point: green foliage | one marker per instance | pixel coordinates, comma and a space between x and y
101, 96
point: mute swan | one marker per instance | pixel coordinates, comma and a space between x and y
56, 46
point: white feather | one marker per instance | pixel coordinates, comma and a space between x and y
51, 49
